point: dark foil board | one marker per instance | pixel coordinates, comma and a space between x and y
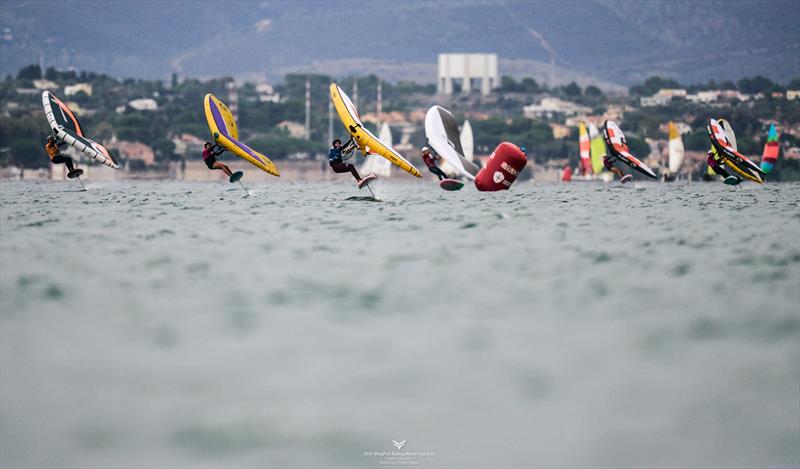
451, 184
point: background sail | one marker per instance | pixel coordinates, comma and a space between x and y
377, 164
771, 150
584, 148
676, 151
467, 141
597, 148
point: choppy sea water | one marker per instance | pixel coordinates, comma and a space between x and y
167, 324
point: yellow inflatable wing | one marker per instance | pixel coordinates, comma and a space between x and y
366, 142
223, 128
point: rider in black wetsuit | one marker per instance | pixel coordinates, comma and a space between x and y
53, 148
337, 162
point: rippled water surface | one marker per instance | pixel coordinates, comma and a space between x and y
177, 324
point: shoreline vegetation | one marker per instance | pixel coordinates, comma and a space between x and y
153, 126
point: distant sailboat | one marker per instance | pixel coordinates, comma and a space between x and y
375, 164
771, 150
676, 151
584, 149
597, 148
467, 142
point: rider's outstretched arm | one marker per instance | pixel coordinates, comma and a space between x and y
349, 146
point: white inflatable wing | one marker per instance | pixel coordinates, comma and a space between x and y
441, 131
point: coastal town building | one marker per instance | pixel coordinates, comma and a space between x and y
187, 145
266, 93
127, 151
549, 107
71, 90
143, 104
44, 84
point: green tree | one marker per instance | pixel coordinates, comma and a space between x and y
652, 85
29, 153
697, 140
757, 84
51, 74
638, 146
594, 91
529, 85
571, 89
508, 85
80, 97
164, 150
31, 72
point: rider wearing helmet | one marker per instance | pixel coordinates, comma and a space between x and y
430, 161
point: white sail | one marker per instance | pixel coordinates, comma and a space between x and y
676, 152
375, 164
467, 142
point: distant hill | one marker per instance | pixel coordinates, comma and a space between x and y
607, 42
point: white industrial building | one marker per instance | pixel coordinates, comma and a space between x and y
470, 70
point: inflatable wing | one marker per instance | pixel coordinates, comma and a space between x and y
366, 141
441, 131
725, 146
67, 128
223, 127
618, 146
